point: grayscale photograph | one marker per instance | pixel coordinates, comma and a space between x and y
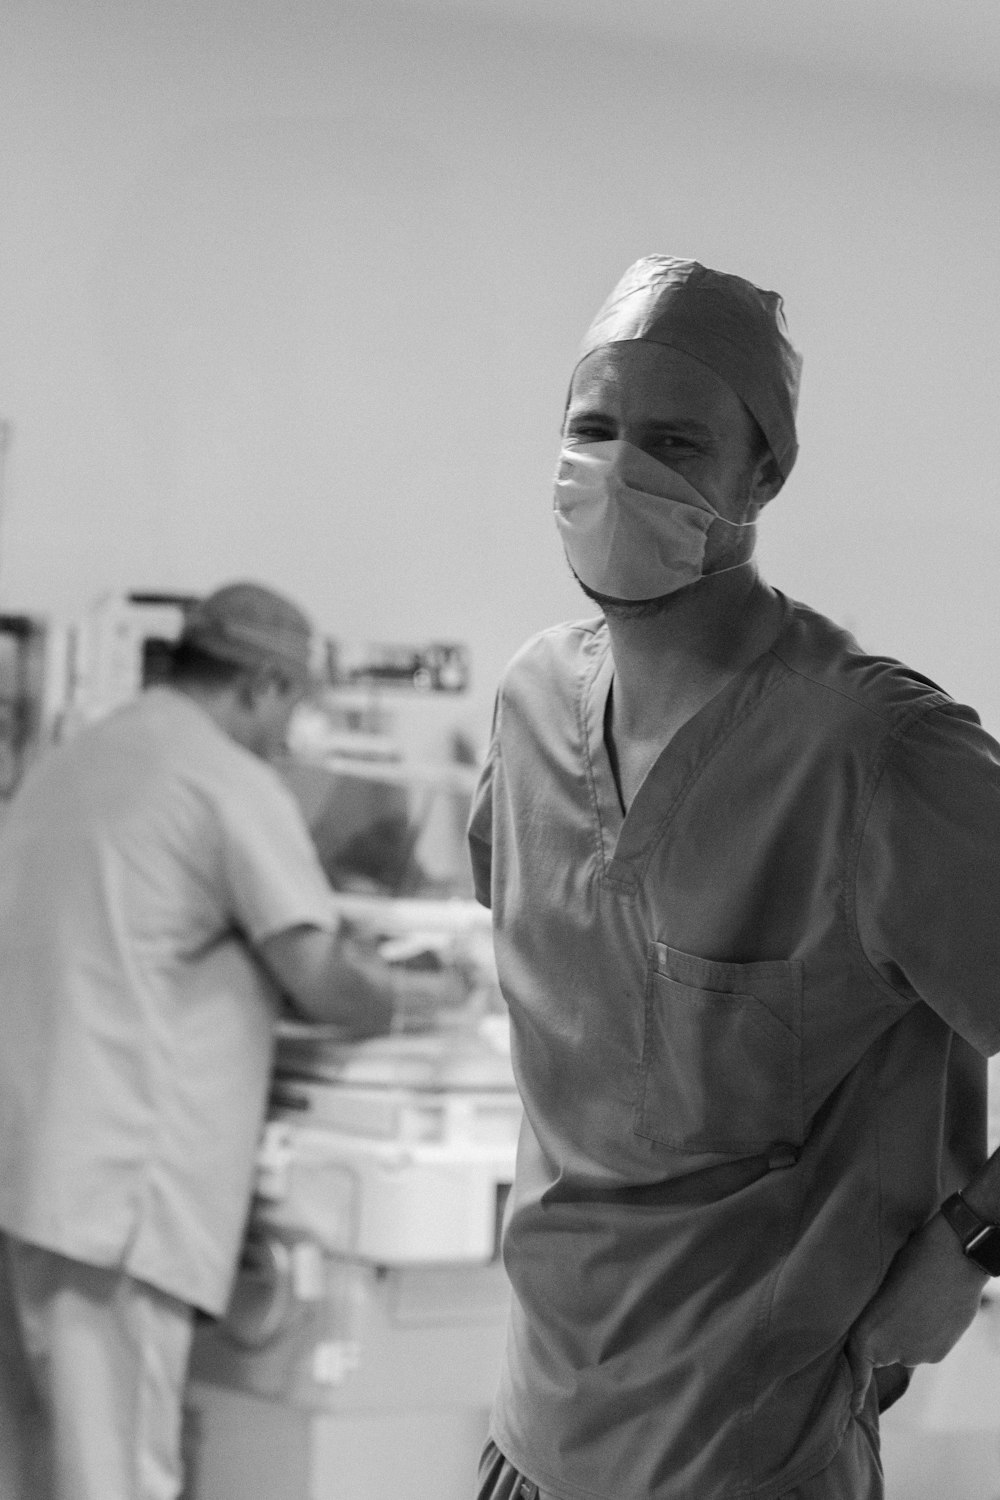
499, 750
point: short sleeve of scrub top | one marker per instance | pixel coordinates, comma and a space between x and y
274, 879
928, 873
480, 835
480, 831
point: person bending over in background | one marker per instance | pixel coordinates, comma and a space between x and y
746, 902
159, 893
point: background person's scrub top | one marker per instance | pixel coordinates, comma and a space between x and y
749, 1021
137, 1027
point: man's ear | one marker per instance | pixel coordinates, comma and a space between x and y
766, 480
248, 689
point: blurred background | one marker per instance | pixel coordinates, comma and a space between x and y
294, 291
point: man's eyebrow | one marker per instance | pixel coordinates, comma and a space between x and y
689, 426
686, 426
590, 414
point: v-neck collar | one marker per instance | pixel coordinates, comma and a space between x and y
626, 839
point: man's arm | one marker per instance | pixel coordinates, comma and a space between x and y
928, 1298
927, 901
327, 978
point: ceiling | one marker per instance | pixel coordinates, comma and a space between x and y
946, 43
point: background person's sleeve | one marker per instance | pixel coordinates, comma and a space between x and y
273, 875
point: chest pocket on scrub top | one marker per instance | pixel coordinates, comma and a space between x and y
721, 1066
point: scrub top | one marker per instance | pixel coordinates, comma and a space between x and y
749, 1022
139, 864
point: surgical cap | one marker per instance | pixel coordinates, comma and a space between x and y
251, 626
727, 323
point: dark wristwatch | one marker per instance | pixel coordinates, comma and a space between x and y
980, 1238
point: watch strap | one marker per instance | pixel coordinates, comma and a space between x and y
979, 1238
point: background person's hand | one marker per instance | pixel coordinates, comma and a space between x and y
929, 1297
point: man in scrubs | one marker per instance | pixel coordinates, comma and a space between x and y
746, 899
158, 895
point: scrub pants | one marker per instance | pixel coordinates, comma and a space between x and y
92, 1371
854, 1473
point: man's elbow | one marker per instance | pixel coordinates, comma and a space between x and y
326, 982
361, 992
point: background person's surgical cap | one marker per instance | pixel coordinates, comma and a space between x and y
727, 323
251, 626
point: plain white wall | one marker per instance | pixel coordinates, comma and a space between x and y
294, 291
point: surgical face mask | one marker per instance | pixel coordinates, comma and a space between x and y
631, 527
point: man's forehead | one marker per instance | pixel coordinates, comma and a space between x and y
653, 381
